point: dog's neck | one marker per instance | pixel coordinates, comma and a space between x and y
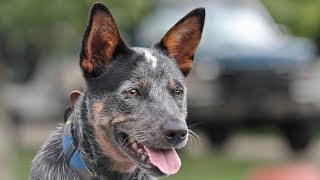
83, 134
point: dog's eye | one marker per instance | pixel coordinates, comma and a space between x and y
178, 92
132, 92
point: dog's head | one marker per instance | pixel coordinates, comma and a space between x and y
138, 95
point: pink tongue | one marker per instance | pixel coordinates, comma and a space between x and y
167, 160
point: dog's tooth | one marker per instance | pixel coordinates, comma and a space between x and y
140, 151
135, 146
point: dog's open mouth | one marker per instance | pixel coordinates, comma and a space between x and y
165, 160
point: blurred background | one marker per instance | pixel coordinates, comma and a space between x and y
254, 92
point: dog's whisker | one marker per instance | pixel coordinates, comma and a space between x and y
196, 124
189, 147
192, 139
195, 134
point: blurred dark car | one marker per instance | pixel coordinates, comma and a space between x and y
246, 70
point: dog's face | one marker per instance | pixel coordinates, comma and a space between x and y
138, 95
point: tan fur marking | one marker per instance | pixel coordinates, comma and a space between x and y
102, 41
86, 64
102, 126
120, 162
173, 84
143, 82
182, 41
97, 108
124, 166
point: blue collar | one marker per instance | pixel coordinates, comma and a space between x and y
72, 153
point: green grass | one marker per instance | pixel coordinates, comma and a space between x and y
22, 164
210, 166
216, 166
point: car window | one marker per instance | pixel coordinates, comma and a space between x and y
242, 26
225, 26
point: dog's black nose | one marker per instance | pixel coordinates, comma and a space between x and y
175, 131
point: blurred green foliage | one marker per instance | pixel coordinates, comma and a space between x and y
52, 24
58, 25
301, 17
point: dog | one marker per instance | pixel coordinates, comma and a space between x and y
131, 115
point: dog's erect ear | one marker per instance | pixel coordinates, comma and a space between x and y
182, 40
100, 41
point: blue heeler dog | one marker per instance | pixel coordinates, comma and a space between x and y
130, 118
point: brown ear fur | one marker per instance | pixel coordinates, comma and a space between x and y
182, 40
100, 41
